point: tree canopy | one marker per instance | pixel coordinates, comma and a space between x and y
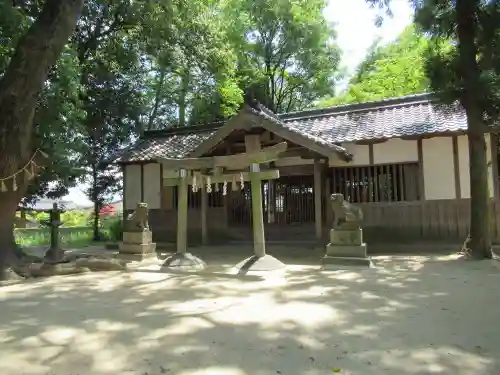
388, 70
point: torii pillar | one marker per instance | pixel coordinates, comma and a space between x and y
260, 261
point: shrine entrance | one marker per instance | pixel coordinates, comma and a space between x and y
288, 203
207, 173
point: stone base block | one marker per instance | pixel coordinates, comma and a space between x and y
346, 236
334, 263
256, 264
356, 251
183, 262
134, 257
143, 237
143, 248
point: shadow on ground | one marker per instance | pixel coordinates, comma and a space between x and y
410, 315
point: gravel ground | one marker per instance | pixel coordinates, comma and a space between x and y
409, 315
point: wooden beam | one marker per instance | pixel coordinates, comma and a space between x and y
272, 174
371, 154
265, 155
301, 140
236, 122
370, 141
318, 216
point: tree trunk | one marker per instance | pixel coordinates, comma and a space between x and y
95, 198
35, 54
9, 256
97, 234
480, 236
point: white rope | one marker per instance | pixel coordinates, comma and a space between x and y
31, 164
27, 164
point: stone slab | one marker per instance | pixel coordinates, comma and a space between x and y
259, 264
183, 262
333, 263
129, 248
346, 237
356, 251
143, 237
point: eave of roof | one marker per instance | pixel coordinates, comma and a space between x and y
413, 115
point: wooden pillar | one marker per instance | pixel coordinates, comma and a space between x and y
259, 242
124, 200
329, 211
204, 209
318, 217
142, 182
494, 164
456, 168
182, 212
271, 202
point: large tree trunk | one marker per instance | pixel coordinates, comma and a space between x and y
480, 238
35, 54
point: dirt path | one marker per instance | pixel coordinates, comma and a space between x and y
409, 316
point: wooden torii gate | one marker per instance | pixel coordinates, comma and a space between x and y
205, 171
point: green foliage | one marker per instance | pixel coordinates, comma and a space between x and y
74, 218
287, 56
388, 71
131, 66
70, 237
114, 227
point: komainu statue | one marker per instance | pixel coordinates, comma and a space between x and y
346, 215
137, 221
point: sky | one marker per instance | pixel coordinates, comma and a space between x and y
356, 31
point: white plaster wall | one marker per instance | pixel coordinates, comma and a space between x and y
439, 173
395, 151
361, 156
132, 186
463, 160
152, 185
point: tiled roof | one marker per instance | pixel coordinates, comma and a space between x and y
168, 145
391, 118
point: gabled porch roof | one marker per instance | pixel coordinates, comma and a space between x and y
259, 116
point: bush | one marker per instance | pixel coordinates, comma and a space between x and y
114, 226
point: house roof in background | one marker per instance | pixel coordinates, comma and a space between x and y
414, 115
47, 204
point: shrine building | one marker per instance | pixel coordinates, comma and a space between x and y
404, 161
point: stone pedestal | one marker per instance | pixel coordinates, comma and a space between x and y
255, 265
346, 248
183, 262
137, 245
